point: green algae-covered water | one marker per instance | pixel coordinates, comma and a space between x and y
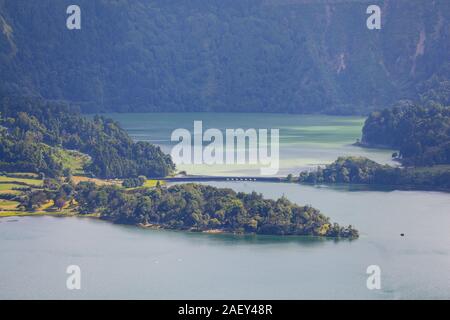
306, 141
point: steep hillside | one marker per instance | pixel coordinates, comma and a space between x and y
36, 136
248, 55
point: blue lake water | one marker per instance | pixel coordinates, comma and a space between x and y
128, 262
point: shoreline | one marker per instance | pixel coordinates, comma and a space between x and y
154, 226
151, 226
372, 146
11, 214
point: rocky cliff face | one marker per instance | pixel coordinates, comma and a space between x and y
221, 55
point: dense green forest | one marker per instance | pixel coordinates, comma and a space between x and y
421, 133
226, 55
361, 170
34, 133
192, 207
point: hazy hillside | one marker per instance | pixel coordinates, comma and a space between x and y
227, 55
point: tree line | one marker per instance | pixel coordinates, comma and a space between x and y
360, 170
192, 207
420, 131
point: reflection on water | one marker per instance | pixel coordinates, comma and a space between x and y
240, 239
353, 187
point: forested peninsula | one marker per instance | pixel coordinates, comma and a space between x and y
360, 170
192, 207
419, 131
35, 136
421, 134
55, 161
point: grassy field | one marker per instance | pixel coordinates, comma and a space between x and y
31, 182
72, 160
10, 186
11, 192
99, 182
8, 204
9, 208
4, 214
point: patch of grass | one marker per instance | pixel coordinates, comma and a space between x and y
10, 186
7, 205
99, 182
11, 192
73, 160
4, 214
47, 205
11, 213
152, 183
31, 182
